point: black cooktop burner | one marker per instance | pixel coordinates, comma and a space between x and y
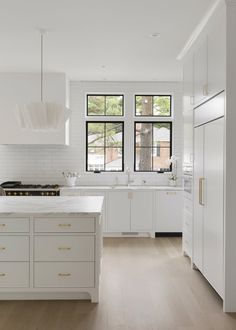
19, 185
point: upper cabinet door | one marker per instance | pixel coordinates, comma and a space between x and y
188, 87
200, 72
217, 52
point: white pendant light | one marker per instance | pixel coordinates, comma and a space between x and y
42, 116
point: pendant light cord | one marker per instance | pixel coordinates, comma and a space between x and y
41, 66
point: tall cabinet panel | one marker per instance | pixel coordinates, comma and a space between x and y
209, 196
213, 203
198, 204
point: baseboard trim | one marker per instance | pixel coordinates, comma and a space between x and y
168, 234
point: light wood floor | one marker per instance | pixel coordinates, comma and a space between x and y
146, 285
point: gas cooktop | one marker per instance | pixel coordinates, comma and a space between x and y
16, 188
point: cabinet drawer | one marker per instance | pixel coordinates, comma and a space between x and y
64, 274
14, 274
64, 248
14, 248
64, 225
14, 225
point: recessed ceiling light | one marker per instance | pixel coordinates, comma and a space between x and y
155, 35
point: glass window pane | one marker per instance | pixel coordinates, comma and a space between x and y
143, 105
161, 105
114, 105
143, 134
96, 134
114, 136
95, 159
143, 160
161, 134
96, 105
161, 157
113, 159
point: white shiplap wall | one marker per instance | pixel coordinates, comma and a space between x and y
44, 164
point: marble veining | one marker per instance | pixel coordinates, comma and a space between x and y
51, 205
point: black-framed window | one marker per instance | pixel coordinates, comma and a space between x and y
105, 105
153, 105
152, 146
104, 146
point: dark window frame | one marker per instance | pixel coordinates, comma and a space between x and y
104, 147
152, 122
152, 116
105, 115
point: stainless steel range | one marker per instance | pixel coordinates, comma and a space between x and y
16, 188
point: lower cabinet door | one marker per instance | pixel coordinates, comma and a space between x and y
64, 274
14, 274
118, 211
142, 211
169, 211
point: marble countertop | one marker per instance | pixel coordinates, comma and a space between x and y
51, 205
122, 187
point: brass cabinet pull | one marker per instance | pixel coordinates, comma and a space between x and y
64, 225
2, 225
64, 274
201, 191
130, 195
2, 248
64, 248
2, 274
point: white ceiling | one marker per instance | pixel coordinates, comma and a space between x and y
99, 39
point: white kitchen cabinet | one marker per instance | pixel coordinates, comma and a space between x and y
200, 71
118, 211
130, 211
209, 200
169, 211
142, 211
21, 88
217, 51
188, 84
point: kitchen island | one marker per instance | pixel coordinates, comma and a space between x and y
50, 247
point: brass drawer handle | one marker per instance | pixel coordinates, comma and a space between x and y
64, 225
2, 248
2, 225
64, 274
64, 248
2, 274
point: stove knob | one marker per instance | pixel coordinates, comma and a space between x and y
15, 193
52, 193
42, 193
21, 193
9, 194
26, 194
47, 193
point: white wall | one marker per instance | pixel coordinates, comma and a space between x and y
44, 164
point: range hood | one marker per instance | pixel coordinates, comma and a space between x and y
41, 115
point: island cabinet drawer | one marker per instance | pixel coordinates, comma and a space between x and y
64, 248
64, 225
14, 248
64, 274
14, 274
14, 225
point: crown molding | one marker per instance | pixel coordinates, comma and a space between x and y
199, 28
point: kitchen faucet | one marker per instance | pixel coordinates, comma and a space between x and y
129, 180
